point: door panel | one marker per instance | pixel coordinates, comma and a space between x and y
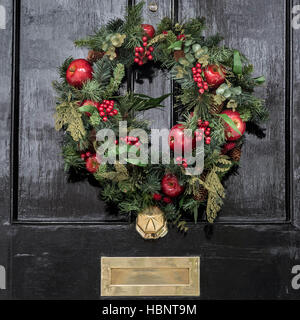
5, 109
295, 120
258, 192
48, 29
160, 83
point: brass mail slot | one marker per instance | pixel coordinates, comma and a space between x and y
147, 276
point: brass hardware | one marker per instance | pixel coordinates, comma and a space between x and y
153, 6
151, 223
147, 276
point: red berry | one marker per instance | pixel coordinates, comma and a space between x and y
140, 63
102, 114
206, 123
141, 49
111, 114
144, 39
198, 75
147, 53
115, 112
194, 70
208, 140
205, 87
88, 154
92, 164
116, 142
137, 54
104, 119
198, 65
145, 44
200, 85
207, 133
185, 165
82, 156
137, 49
151, 49
157, 197
201, 91
100, 109
150, 57
167, 200
165, 32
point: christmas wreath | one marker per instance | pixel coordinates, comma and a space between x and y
213, 92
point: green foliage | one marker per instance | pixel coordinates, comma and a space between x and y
131, 186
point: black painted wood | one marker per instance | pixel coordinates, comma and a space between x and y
48, 29
258, 192
295, 120
58, 255
239, 262
6, 48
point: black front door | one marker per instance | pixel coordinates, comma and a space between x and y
53, 233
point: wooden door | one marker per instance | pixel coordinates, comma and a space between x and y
53, 233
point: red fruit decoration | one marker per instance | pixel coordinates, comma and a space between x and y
167, 200
214, 75
78, 72
148, 30
92, 164
170, 186
177, 133
230, 133
197, 75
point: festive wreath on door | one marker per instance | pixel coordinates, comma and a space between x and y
214, 92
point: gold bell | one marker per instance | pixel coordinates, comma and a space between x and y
151, 223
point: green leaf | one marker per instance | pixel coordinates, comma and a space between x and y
196, 47
260, 80
228, 120
190, 57
176, 45
237, 63
135, 162
87, 108
222, 89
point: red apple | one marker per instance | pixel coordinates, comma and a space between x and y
214, 75
230, 133
78, 72
90, 103
92, 164
177, 133
170, 186
149, 30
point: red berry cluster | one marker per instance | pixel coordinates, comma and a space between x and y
142, 54
181, 161
202, 85
204, 125
158, 197
106, 108
132, 141
85, 155
91, 161
181, 36
165, 32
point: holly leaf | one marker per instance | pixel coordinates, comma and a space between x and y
228, 120
237, 63
260, 80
